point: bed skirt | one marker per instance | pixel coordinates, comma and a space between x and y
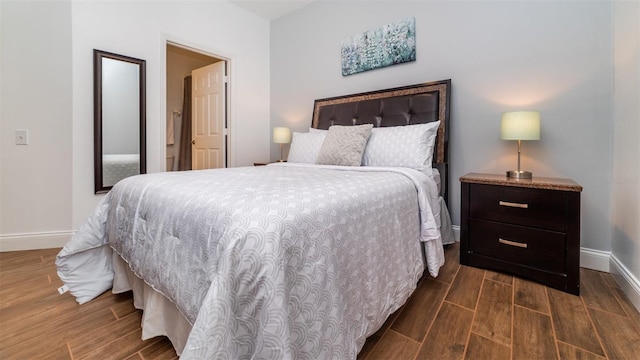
446, 227
160, 316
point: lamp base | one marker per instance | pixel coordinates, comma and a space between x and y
516, 174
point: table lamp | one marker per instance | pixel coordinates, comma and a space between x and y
520, 125
281, 135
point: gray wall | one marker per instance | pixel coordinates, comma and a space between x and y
625, 179
35, 94
554, 57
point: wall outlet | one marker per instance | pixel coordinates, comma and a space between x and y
22, 137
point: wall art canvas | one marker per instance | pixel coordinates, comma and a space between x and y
385, 46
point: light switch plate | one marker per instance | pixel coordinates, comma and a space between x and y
22, 137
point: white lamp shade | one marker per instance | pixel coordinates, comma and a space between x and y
281, 135
520, 125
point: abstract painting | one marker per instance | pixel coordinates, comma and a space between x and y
388, 45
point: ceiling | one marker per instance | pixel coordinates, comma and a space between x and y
271, 9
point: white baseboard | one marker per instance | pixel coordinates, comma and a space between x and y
627, 282
33, 241
595, 259
456, 232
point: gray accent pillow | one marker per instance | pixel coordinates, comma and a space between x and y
344, 145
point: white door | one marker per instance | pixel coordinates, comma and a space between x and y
208, 112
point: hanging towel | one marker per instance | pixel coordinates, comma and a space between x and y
170, 134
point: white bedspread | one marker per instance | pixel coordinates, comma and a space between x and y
267, 262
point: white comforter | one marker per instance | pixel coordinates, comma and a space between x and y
267, 262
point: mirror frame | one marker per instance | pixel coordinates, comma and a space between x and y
98, 55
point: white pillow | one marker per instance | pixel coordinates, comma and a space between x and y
344, 145
404, 146
305, 147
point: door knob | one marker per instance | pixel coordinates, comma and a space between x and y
193, 142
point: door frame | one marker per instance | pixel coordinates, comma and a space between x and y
230, 94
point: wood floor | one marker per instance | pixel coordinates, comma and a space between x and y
466, 313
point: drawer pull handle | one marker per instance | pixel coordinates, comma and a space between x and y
512, 204
512, 243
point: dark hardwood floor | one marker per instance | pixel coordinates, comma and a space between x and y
466, 313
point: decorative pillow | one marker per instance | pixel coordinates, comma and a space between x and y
344, 145
404, 146
305, 147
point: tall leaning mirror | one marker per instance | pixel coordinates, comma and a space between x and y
119, 118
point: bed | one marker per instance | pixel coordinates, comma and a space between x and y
303, 259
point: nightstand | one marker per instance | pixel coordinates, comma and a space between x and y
530, 228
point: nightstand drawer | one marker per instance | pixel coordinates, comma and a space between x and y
536, 248
545, 209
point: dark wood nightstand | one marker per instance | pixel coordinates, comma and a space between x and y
529, 228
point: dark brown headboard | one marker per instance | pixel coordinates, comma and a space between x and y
407, 105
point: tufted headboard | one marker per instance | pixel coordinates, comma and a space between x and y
407, 105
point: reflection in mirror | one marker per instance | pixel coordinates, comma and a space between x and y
119, 118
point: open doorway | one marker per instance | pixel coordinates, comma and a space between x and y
180, 63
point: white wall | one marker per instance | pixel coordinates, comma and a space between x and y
35, 94
140, 30
625, 179
554, 57
46, 188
